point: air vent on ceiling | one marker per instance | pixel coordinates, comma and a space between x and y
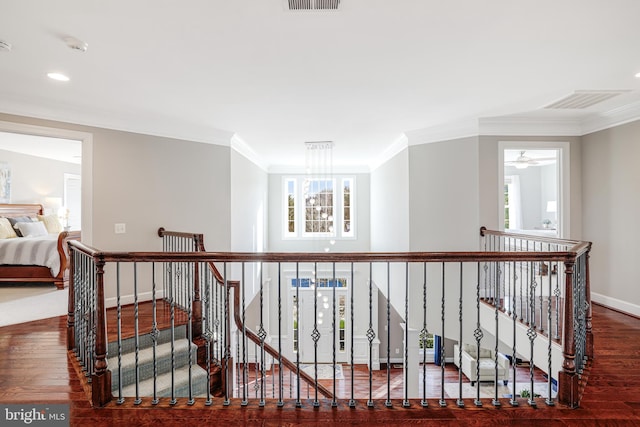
313, 4
584, 99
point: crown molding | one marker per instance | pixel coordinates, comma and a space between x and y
401, 143
529, 126
446, 132
239, 145
301, 170
615, 117
173, 129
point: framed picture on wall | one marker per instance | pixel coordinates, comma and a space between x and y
5, 182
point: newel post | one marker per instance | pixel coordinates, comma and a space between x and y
101, 379
71, 307
568, 377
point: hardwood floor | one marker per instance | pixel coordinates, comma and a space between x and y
34, 369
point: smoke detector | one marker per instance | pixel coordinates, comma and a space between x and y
76, 44
5, 46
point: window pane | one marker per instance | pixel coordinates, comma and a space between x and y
290, 208
347, 200
319, 206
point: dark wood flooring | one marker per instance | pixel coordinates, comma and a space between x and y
34, 368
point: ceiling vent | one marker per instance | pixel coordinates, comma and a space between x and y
313, 4
581, 99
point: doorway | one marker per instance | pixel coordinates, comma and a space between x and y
533, 188
86, 141
312, 307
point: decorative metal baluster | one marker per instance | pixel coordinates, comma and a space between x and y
478, 334
245, 401
273, 378
227, 344
280, 377
495, 400
549, 400
297, 305
371, 335
513, 400
405, 402
459, 401
154, 334
136, 333
532, 334
541, 325
120, 400
189, 291
521, 294
352, 401
556, 294
424, 335
334, 402
315, 335
528, 290
387, 402
206, 320
262, 334
172, 310
442, 402
256, 384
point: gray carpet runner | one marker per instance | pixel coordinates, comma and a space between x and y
163, 363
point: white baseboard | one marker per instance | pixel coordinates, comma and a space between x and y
616, 304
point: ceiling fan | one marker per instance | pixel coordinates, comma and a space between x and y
523, 162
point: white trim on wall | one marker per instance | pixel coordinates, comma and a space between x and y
616, 304
86, 139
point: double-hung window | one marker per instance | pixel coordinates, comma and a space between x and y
319, 207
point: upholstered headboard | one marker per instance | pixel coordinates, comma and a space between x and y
12, 211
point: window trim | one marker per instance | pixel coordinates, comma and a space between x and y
300, 208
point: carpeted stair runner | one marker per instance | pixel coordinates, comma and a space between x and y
181, 349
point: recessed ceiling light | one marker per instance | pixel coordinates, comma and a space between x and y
638, 75
58, 76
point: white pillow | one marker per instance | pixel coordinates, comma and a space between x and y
32, 229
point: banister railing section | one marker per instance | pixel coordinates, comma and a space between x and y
317, 328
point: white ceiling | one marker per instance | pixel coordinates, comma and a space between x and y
362, 77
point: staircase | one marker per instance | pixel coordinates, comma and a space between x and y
182, 348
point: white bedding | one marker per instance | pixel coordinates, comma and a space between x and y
42, 250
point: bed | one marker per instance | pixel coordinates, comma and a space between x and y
51, 265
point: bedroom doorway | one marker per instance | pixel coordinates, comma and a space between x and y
533, 188
53, 141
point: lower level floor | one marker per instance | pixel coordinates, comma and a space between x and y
35, 368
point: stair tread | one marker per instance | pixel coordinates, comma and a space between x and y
145, 355
163, 384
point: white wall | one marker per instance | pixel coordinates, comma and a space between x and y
611, 212
390, 205
249, 204
249, 201
444, 195
35, 178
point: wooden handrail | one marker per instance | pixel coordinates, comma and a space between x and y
337, 257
